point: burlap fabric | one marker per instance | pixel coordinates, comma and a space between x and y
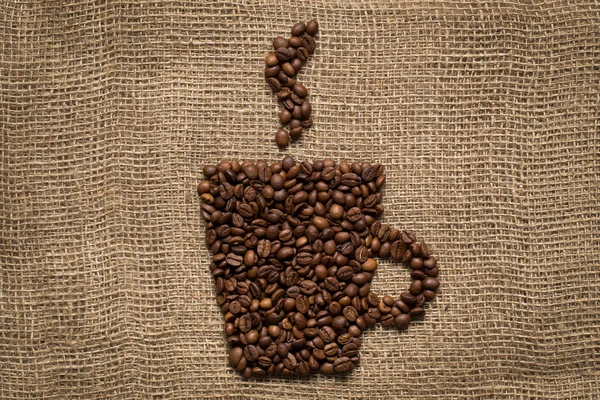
486, 116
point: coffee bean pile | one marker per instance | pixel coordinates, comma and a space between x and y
280, 72
294, 248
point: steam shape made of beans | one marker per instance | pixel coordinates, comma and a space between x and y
294, 248
281, 69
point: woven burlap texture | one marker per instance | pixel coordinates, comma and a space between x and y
486, 116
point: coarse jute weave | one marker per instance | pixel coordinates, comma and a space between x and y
486, 115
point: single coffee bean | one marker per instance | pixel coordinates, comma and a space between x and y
370, 265
343, 364
280, 42
312, 27
295, 42
271, 60
235, 356
274, 84
296, 133
297, 64
417, 312
402, 321
250, 353
300, 90
272, 72
302, 54
298, 29
430, 263
431, 283
416, 287
283, 93
282, 137
309, 43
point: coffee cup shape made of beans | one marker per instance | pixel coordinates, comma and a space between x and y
294, 250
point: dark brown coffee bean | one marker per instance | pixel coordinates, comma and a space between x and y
424, 250
279, 42
250, 353
300, 90
302, 304
327, 369
361, 278
351, 179
283, 54
289, 105
302, 54
331, 349
296, 115
271, 60
369, 174
283, 93
290, 362
407, 256
296, 64
295, 41
431, 283
402, 321
264, 362
339, 323
298, 101
343, 364
408, 298
430, 263
429, 295
284, 79
345, 273
298, 29
327, 334
272, 72
398, 249
234, 260
296, 133
282, 138
309, 43
408, 237
416, 263
417, 312
235, 356
312, 27
264, 248
274, 83
350, 350
416, 287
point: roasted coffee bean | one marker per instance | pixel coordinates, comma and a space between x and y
282, 137
309, 43
280, 41
401, 321
294, 247
298, 29
302, 54
300, 90
312, 27
342, 364
296, 132
431, 283
271, 60
274, 83
297, 63
250, 353
295, 41
235, 356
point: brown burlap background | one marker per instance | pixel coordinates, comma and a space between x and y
486, 116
